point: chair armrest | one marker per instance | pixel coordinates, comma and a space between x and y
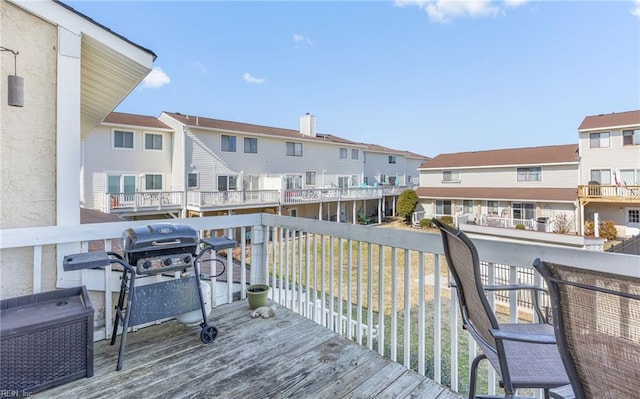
520, 337
514, 287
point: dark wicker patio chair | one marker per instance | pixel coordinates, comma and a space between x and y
597, 325
524, 355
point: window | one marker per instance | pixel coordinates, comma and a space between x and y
122, 139
192, 180
355, 154
443, 207
392, 159
354, 180
121, 184
343, 153
529, 174
493, 207
601, 176
152, 141
383, 178
393, 180
343, 181
250, 145
251, 183
523, 211
633, 216
293, 182
227, 183
364, 157
467, 206
310, 179
366, 180
631, 137
450, 176
294, 149
599, 140
228, 143
629, 177
153, 182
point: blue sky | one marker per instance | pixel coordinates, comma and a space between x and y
420, 75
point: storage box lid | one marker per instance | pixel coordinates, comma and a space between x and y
36, 311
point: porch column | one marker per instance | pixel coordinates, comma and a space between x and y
354, 215
259, 251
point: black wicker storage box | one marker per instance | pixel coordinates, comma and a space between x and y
46, 340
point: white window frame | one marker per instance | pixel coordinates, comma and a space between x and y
250, 148
231, 182
355, 153
144, 144
231, 144
529, 173
450, 176
603, 140
343, 153
310, 178
113, 139
154, 175
343, 181
197, 176
293, 149
635, 137
601, 172
441, 206
392, 159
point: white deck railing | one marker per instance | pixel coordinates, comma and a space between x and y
349, 278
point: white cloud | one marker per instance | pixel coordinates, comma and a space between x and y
447, 10
201, 67
636, 8
249, 78
301, 39
156, 79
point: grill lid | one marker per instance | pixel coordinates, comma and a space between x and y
160, 237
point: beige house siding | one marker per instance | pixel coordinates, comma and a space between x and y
28, 144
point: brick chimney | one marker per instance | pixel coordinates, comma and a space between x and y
308, 125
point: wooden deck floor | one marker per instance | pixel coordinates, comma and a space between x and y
283, 357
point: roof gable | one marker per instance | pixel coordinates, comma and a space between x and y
612, 120
120, 118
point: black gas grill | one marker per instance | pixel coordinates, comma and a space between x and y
155, 249
161, 247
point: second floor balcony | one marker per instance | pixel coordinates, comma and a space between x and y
385, 289
622, 194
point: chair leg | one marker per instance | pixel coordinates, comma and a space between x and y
474, 374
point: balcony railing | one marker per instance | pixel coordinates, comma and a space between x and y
623, 193
141, 201
204, 200
385, 289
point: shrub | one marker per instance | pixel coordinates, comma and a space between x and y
447, 220
563, 224
407, 202
607, 229
426, 224
520, 226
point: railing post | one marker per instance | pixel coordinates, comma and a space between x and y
259, 251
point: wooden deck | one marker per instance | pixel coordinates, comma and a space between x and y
286, 356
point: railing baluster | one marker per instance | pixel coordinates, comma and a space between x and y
340, 265
394, 304
359, 294
37, 269
307, 259
454, 337
421, 313
108, 295
349, 289
407, 308
513, 295
323, 280
301, 305
437, 321
491, 280
370, 297
380, 298
331, 288
316, 314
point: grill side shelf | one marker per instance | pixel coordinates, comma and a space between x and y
217, 243
86, 260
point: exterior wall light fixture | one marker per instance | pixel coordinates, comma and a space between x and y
15, 84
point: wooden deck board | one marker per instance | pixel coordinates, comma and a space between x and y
287, 356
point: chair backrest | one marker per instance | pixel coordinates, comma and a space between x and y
464, 265
597, 325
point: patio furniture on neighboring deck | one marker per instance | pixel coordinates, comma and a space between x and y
597, 325
524, 355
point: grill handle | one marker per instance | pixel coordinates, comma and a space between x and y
161, 243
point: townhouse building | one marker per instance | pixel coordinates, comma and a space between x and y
530, 186
609, 146
188, 165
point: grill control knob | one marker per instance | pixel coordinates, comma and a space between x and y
146, 264
167, 261
187, 259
